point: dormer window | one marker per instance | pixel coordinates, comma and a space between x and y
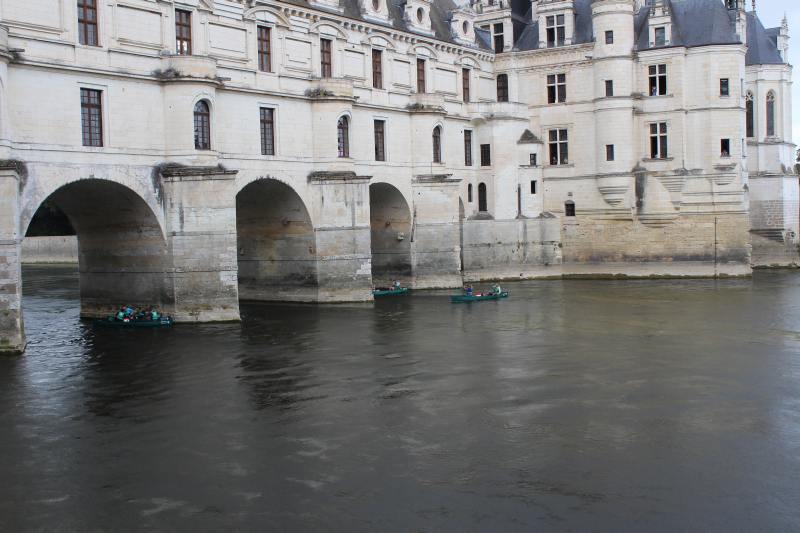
556, 32
417, 15
376, 4
465, 27
660, 36
420, 15
375, 10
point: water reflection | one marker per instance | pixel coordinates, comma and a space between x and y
573, 405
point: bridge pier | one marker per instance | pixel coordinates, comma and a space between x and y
12, 333
344, 264
200, 209
436, 261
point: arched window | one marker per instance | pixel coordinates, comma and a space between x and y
770, 114
569, 208
749, 110
502, 88
202, 126
343, 136
482, 204
437, 144
469, 193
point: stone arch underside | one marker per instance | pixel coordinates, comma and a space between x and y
277, 256
122, 252
390, 233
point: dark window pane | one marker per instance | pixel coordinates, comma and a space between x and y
202, 126
267, 131
326, 64
183, 32
91, 117
380, 143
264, 49
87, 22
377, 69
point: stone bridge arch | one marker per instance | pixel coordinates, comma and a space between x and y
123, 254
276, 243
391, 234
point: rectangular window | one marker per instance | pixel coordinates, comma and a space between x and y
609, 152
661, 36
92, 117
658, 140
658, 80
326, 58
502, 87
264, 49
533, 160
267, 131
420, 76
498, 38
183, 32
467, 148
609, 37
609, 87
724, 87
533, 186
465, 84
556, 33
377, 69
725, 148
380, 140
87, 22
486, 155
556, 88
559, 148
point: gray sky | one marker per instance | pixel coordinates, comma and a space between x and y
771, 14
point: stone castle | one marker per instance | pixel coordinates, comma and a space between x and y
205, 151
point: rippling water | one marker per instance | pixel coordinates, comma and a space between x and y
576, 405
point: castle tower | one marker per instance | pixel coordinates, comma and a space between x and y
616, 146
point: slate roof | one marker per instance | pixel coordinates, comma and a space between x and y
694, 23
440, 17
762, 46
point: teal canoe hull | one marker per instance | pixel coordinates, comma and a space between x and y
111, 322
389, 292
463, 298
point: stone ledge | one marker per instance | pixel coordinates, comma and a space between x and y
321, 176
177, 172
435, 178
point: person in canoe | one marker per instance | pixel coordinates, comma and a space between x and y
496, 289
154, 314
468, 290
396, 285
121, 313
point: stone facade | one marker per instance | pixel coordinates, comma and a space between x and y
212, 150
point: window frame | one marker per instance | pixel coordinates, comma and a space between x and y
771, 115
533, 187
267, 128
202, 124
662, 32
436, 140
557, 88
658, 134
264, 47
486, 155
498, 38
723, 144
610, 155
483, 198
86, 22
183, 43
657, 79
724, 87
377, 68
609, 37
502, 87
343, 136
750, 115
91, 117
421, 85
468, 162
558, 146
465, 85
555, 30
325, 57
379, 138
609, 84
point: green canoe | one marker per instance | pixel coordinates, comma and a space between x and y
388, 291
460, 298
112, 322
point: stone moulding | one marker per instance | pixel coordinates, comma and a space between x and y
435, 178
674, 186
322, 176
177, 172
614, 188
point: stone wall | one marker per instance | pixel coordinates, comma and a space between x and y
61, 249
511, 249
774, 209
697, 245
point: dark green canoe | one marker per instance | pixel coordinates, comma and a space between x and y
463, 298
388, 292
112, 322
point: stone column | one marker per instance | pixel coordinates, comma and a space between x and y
344, 258
12, 333
436, 248
200, 209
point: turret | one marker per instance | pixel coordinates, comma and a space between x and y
783, 40
612, 22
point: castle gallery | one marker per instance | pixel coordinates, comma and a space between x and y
205, 151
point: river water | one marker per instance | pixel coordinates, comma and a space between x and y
571, 406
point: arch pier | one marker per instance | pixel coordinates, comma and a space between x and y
12, 334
